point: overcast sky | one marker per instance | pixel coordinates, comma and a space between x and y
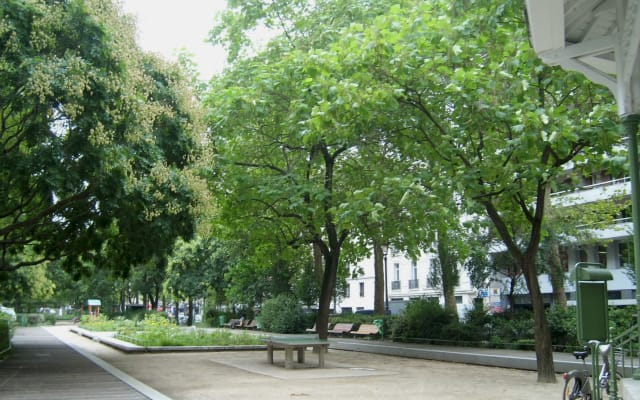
166, 26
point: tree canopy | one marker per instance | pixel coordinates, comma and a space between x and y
96, 139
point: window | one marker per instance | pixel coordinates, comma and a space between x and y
413, 283
582, 254
602, 255
458, 299
625, 252
395, 283
347, 291
361, 289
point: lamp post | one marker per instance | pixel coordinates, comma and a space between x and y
385, 250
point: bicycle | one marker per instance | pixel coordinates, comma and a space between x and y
577, 382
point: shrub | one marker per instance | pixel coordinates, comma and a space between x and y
282, 314
5, 333
50, 319
35, 319
423, 319
562, 323
99, 324
513, 327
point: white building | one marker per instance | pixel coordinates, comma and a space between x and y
610, 247
407, 279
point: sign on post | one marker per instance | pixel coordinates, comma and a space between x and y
592, 301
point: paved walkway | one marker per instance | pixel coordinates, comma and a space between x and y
42, 366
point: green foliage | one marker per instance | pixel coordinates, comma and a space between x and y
427, 321
5, 335
621, 319
50, 319
422, 319
563, 326
97, 140
102, 323
283, 314
156, 330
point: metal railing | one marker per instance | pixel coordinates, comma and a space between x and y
414, 284
627, 347
395, 285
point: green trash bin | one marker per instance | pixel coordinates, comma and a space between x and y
221, 321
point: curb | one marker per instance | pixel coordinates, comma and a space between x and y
126, 347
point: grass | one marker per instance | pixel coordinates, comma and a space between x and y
156, 330
179, 337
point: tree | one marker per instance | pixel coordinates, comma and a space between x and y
483, 106
96, 138
192, 270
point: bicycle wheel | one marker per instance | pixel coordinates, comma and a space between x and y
573, 389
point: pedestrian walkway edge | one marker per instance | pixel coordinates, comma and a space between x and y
146, 390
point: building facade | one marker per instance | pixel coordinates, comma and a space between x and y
406, 279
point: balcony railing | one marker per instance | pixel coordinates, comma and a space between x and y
395, 285
593, 186
414, 284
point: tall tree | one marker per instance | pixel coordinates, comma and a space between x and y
95, 139
482, 105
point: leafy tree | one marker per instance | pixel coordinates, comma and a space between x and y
285, 158
95, 136
482, 105
148, 279
191, 271
27, 289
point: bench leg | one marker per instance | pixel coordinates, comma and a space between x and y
288, 357
321, 351
270, 354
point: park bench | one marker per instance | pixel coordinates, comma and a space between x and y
313, 330
233, 323
299, 343
367, 330
341, 329
253, 324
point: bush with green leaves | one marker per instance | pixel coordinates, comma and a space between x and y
156, 330
50, 319
423, 319
5, 336
563, 326
283, 314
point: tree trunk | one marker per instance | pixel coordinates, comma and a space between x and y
328, 284
543, 345
176, 312
190, 316
556, 275
380, 279
449, 271
317, 263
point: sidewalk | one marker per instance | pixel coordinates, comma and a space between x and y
353, 369
41, 366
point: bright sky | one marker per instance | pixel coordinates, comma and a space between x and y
166, 26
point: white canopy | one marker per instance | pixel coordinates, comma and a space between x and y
600, 38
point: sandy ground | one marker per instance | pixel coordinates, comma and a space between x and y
245, 375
